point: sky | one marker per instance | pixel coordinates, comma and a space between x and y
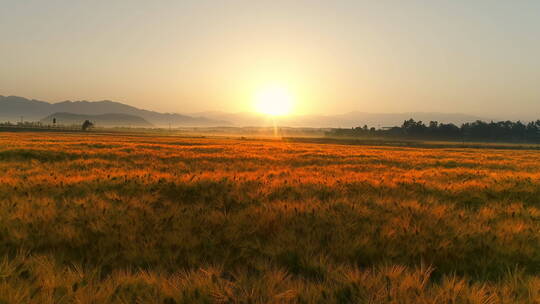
473, 57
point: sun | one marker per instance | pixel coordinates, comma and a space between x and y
274, 100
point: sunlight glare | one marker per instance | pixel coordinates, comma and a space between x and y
274, 100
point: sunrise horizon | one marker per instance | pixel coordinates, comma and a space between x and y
255, 111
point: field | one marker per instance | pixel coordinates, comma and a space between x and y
88, 218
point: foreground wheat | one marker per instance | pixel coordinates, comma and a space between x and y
127, 219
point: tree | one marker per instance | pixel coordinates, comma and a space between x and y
87, 124
413, 128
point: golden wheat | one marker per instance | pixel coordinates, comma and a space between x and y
140, 219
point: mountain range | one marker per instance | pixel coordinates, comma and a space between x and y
12, 108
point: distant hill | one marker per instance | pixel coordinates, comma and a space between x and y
102, 120
13, 107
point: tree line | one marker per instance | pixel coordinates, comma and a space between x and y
473, 131
86, 125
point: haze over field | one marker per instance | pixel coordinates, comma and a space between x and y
314, 57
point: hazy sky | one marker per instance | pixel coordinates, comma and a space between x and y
477, 57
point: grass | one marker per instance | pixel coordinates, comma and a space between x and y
133, 219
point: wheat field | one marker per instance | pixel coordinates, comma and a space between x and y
90, 218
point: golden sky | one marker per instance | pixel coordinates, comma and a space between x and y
475, 57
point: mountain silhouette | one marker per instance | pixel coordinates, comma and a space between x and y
13, 107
